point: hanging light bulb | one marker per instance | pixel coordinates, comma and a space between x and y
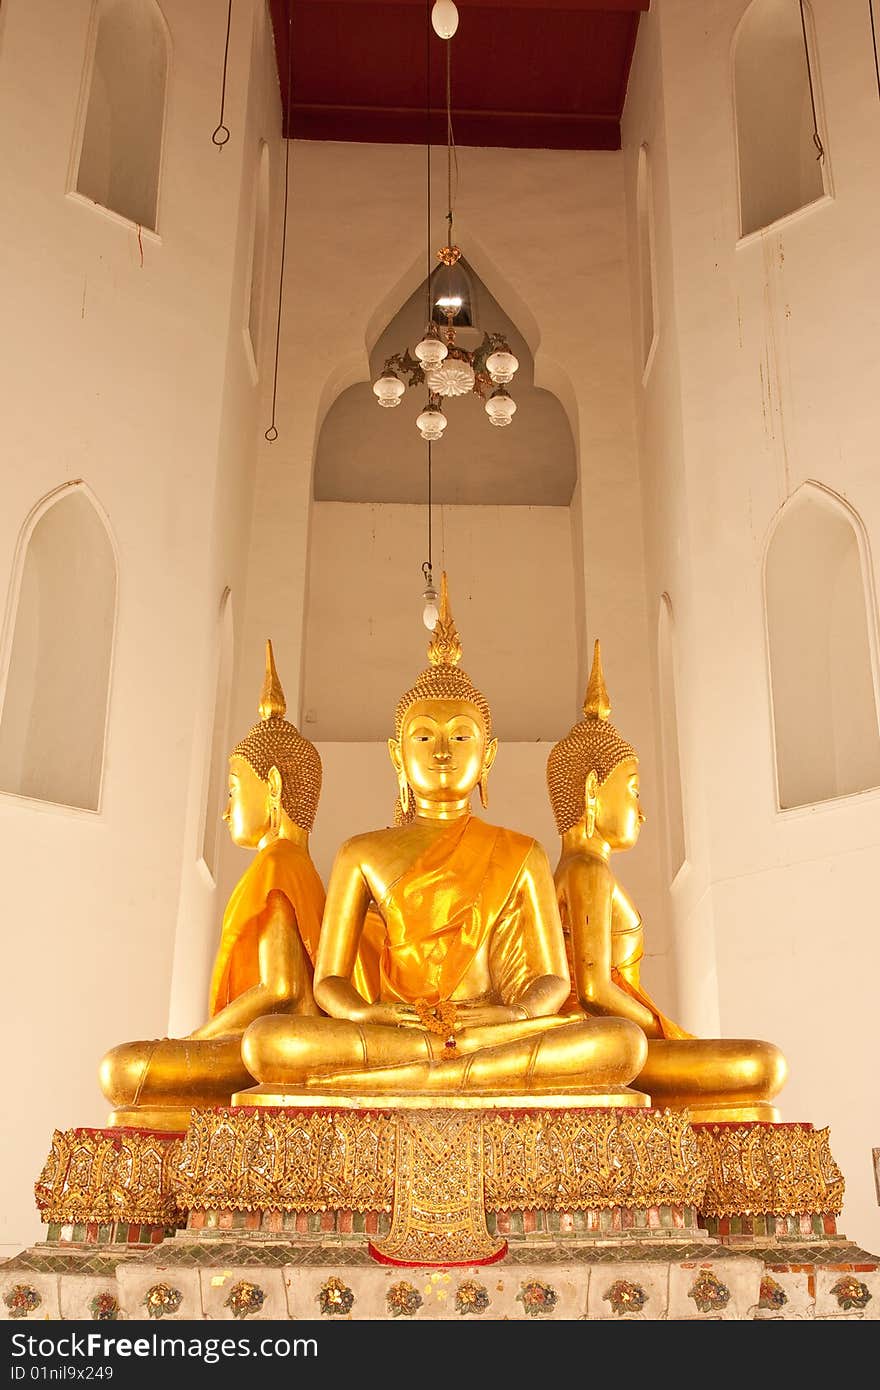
431, 351
500, 407
430, 612
432, 422
501, 365
444, 18
388, 389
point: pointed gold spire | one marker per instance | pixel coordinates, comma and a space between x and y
272, 702
444, 648
596, 702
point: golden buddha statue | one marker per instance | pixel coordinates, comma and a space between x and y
264, 962
593, 780
441, 960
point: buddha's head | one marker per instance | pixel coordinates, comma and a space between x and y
274, 774
443, 745
593, 773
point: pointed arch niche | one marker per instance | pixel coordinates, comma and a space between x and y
674, 800
55, 698
121, 148
821, 637
778, 168
501, 526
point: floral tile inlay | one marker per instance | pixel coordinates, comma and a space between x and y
104, 1307
244, 1299
708, 1292
773, 1295
471, 1297
625, 1297
21, 1300
851, 1293
403, 1300
161, 1300
537, 1298
335, 1299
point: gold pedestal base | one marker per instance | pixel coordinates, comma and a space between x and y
166, 1119
587, 1097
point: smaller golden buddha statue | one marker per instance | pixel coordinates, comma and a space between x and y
593, 781
265, 959
441, 960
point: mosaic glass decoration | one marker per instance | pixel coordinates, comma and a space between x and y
625, 1297
335, 1299
21, 1300
851, 1293
471, 1297
162, 1300
537, 1298
708, 1292
403, 1300
244, 1299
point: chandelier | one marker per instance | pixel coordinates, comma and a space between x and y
439, 363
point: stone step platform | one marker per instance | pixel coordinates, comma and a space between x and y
655, 1279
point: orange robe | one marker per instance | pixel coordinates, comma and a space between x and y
282, 865
463, 896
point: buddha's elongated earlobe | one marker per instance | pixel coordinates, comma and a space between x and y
484, 789
274, 781
403, 792
591, 799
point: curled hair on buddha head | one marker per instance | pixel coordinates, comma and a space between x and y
274, 742
442, 679
591, 745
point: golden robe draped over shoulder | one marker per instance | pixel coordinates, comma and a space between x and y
461, 897
281, 865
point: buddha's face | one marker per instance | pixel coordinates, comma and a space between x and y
247, 810
619, 816
443, 749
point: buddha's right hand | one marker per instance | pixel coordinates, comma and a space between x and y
396, 1014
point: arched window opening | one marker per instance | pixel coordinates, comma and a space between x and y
258, 252
675, 824
218, 751
121, 147
53, 723
820, 629
778, 168
647, 272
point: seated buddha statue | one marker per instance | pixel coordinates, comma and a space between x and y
441, 962
593, 781
265, 958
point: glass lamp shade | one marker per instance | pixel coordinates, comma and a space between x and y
501, 365
430, 351
500, 407
388, 390
431, 423
430, 612
444, 18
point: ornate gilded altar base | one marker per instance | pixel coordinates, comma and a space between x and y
606, 1214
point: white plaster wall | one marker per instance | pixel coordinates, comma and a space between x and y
514, 613
119, 369
766, 375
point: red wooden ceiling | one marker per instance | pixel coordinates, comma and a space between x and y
526, 74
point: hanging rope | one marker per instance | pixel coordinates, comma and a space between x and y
817, 139
221, 131
428, 149
874, 41
451, 151
272, 432
428, 566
